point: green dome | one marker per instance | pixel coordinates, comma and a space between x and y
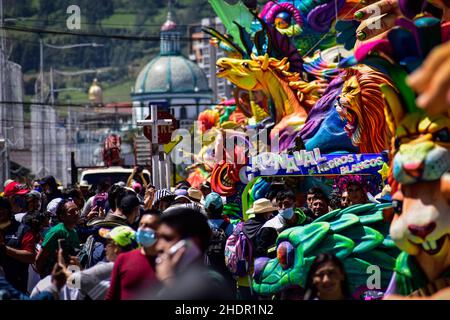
171, 74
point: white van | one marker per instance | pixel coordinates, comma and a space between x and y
111, 175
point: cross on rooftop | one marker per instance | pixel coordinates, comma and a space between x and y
154, 123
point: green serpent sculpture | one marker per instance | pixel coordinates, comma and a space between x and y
358, 235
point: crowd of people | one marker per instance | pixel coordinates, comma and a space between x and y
131, 241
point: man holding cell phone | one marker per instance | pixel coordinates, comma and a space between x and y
63, 236
183, 238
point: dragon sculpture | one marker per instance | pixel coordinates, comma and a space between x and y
291, 97
358, 235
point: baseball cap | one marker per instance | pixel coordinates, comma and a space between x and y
7, 182
14, 188
48, 180
33, 194
161, 195
129, 202
120, 184
181, 192
213, 201
53, 205
122, 235
182, 197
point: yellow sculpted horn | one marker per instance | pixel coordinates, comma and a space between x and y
394, 110
265, 62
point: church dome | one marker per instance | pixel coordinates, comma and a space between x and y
95, 93
171, 74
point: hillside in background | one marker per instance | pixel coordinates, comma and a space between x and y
120, 60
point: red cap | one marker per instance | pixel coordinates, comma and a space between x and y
15, 188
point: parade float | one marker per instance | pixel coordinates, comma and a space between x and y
327, 111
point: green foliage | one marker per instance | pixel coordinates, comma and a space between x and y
108, 17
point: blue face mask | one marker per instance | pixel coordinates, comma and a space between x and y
145, 237
287, 213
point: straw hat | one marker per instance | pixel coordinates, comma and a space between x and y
195, 194
261, 206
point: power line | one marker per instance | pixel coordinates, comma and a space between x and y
104, 108
97, 35
107, 24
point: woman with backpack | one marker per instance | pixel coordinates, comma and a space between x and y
244, 245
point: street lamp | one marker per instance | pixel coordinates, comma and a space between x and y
66, 73
41, 75
70, 46
63, 47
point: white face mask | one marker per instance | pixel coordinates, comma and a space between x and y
287, 213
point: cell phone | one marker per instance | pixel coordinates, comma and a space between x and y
191, 253
177, 246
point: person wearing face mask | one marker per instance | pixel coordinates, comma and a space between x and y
135, 270
287, 217
183, 239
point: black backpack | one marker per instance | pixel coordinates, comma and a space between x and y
216, 248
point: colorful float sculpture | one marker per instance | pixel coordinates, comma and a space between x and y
324, 97
357, 235
420, 163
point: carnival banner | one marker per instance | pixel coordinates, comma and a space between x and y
312, 163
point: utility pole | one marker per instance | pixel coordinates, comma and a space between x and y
41, 69
52, 95
42, 107
2, 93
52, 90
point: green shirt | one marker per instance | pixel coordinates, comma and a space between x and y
50, 242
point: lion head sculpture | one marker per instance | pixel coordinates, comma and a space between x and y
361, 105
